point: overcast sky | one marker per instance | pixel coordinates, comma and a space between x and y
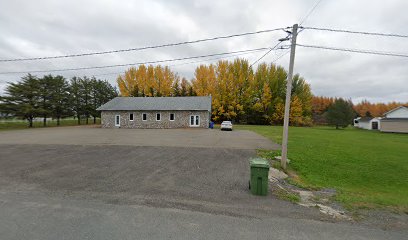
48, 28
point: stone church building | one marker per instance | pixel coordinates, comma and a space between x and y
156, 112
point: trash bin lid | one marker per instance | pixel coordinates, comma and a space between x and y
259, 162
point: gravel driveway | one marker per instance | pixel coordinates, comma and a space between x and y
84, 135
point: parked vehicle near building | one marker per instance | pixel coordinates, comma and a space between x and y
226, 125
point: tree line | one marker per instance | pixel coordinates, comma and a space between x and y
239, 92
56, 97
320, 106
368, 109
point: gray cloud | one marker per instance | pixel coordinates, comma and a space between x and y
48, 28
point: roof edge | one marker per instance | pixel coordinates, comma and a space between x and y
395, 109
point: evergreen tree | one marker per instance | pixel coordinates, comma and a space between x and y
340, 113
45, 96
75, 97
59, 101
101, 92
21, 99
85, 89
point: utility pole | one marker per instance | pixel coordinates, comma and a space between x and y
288, 96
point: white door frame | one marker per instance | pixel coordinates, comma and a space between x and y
116, 123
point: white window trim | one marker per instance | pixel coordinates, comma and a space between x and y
142, 117
173, 118
194, 125
133, 118
160, 117
117, 125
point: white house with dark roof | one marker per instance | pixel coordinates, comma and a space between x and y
368, 123
156, 112
395, 120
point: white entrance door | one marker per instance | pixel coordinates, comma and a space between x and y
194, 121
117, 121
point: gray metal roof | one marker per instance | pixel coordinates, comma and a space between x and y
157, 103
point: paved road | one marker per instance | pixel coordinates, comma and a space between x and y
45, 218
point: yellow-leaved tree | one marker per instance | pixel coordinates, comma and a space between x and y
296, 112
238, 92
127, 83
148, 81
278, 114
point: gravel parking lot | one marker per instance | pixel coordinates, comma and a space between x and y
208, 180
84, 135
83, 182
199, 169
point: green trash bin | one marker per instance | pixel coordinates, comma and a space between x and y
259, 176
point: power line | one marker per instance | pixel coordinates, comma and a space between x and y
142, 48
355, 50
310, 12
358, 32
205, 60
270, 50
273, 48
276, 59
139, 63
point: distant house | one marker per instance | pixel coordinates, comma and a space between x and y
156, 112
368, 123
395, 120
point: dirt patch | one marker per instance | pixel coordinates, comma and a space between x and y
306, 198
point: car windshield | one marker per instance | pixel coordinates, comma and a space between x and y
226, 122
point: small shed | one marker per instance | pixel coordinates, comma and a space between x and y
368, 123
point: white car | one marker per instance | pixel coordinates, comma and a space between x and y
226, 125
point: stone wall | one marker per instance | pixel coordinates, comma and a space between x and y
182, 119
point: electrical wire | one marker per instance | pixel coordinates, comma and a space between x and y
270, 50
276, 59
141, 48
131, 64
355, 50
172, 65
310, 12
357, 32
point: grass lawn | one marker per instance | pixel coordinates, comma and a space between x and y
20, 124
368, 168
